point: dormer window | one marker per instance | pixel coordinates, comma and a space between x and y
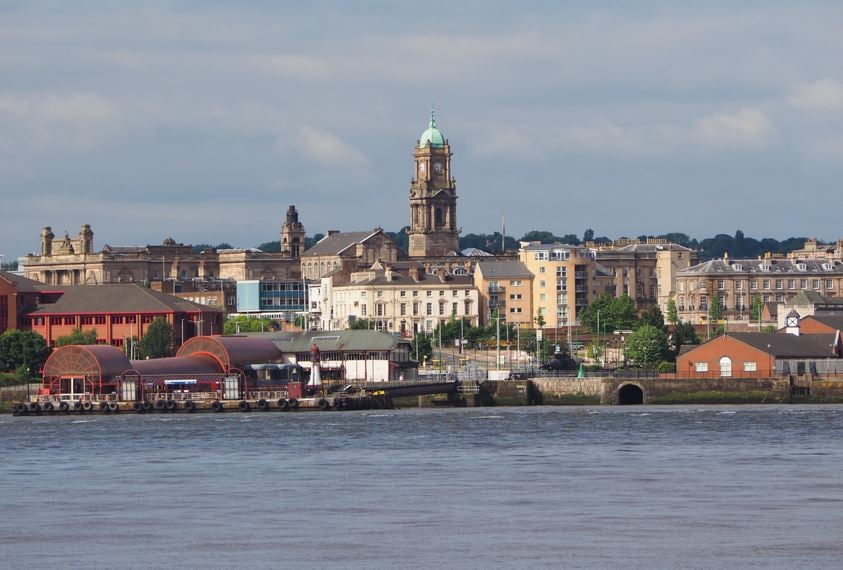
828, 266
801, 267
764, 267
737, 267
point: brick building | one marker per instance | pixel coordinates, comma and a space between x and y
117, 312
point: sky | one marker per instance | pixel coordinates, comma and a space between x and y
204, 120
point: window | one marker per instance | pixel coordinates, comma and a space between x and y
455, 293
542, 297
402, 294
428, 293
779, 284
738, 285
682, 286
542, 284
803, 283
815, 283
403, 309
829, 283
363, 309
750, 367
515, 296
454, 308
766, 284
515, 283
429, 308
541, 269
701, 366
721, 284
515, 309
415, 293
380, 294
791, 283
753, 285
362, 293
415, 308
441, 308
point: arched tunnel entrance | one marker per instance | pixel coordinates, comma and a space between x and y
630, 395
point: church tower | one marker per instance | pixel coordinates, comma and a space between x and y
292, 235
433, 197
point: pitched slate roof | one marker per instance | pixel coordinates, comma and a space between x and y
24, 284
764, 267
117, 298
491, 269
806, 297
790, 346
833, 320
335, 244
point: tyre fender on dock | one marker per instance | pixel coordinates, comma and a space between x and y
217, 406
324, 404
171, 405
21, 408
78, 405
294, 404
104, 407
190, 406
161, 405
64, 407
48, 407
138, 407
263, 405
147, 405
113, 407
283, 404
34, 407
244, 406
87, 406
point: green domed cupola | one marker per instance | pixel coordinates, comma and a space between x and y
432, 136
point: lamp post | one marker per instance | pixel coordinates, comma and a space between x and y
769, 361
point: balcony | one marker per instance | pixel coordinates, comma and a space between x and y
496, 289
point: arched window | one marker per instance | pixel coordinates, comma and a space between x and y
438, 217
725, 367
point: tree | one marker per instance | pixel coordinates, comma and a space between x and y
23, 349
244, 324
159, 339
653, 316
270, 247
361, 324
78, 336
672, 314
613, 314
647, 346
588, 235
540, 320
684, 333
715, 311
757, 307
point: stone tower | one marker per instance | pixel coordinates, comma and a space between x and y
433, 197
292, 235
86, 239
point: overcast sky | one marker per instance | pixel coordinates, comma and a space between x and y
204, 120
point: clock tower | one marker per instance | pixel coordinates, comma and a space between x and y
433, 197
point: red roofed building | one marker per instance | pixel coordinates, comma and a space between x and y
116, 311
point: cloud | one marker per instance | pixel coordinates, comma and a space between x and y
747, 128
324, 148
75, 120
823, 95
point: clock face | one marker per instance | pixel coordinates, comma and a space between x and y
437, 167
792, 322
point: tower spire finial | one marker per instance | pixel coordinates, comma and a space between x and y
432, 123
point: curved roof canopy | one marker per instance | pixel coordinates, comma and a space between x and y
94, 361
232, 351
196, 364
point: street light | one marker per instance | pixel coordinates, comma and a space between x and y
769, 361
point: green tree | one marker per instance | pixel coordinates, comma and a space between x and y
614, 314
672, 313
23, 349
683, 333
540, 320
422, 348
715, 311
361, 325
653, 316
159, 340
757, 307
244, 324
78, 336
647, 346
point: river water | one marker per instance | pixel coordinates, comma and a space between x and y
544, 487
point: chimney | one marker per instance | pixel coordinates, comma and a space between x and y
332, 232
441, 274
387, 273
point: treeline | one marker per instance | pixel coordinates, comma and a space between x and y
738, 246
